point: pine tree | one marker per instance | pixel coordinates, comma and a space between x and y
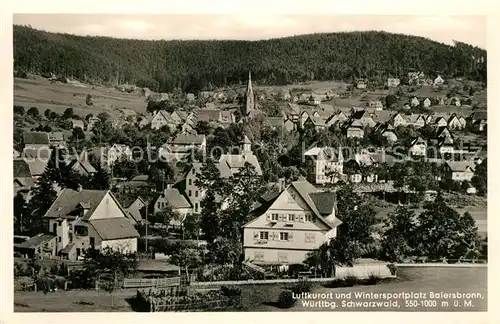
100, 180
43, 197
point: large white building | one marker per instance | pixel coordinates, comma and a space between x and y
324, 165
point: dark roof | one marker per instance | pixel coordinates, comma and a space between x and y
479, 115
21, 169
69, 200
183, 139
36, 138
324, 201
114, 228
176, 199
67, 249
35, 241
140, 177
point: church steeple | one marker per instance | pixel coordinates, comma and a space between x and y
250, 98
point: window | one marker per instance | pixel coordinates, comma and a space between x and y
283, 236
70, 237
264, 235
54, 228
274, 217
190, 182
282, 257
70, 227
310, 238
77, 252
196, 193
59, 239
259, 256
92, 242
190, 193
291, 217
196, 207
81, 230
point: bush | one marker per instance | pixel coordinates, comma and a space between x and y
286, 300
350, 281
372, 279
301, 286
392, 268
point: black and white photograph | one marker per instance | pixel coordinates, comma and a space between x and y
249, 163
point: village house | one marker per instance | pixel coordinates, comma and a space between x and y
418, 147
304, 115
445, 146
190, 97
81, 165
228, 165
417, 121
91, 122
455, 101
173, 198
386, 130
393, 82
83, 219
398, 120
458, 171
324, 165
138, 183
363, 117
109, 155
286, 96
36, 140
427, 103
440, 122
478, 120
283, 229
275, 123
463, 121
289, 125
135, 211
160, 119
354, 129
454, 122
77, 123
376, 104
438, 81
361, 85
442, 132
314, 99
414, 102
23, 179
355, 168
315, 121
184, 144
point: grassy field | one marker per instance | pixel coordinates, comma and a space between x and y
40, 93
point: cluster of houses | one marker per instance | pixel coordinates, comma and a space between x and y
286, 223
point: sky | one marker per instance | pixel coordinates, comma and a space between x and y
445, 29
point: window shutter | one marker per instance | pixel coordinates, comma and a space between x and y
274, 236
290, 236
280, 217
255, 234
268, 217
301, 218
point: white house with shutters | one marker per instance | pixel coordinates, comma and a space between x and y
287, 226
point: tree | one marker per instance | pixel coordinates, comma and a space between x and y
202, 127
77, 134
112, 262
19, 110
225, 251
43, 196
480, 178
190, 228
88, 117
391, 100
125, 169
398, 240
444, 233
88, 100
33, 112
19, 212
100, 179
185, 255
68, 113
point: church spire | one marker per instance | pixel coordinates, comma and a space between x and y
250, 100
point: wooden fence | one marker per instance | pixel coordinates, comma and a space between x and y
151, 282
211, 305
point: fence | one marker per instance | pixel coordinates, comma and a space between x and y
151, 282
210, 305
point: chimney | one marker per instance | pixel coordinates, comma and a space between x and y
281, 184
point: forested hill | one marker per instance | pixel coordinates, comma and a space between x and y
162, 65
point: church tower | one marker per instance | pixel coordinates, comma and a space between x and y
250, 98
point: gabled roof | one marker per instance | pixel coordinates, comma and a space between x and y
275, 121
461, 166
480, 114
185, 139
56, 136
417, 141
36, 138
305, 189
317, 121
68, 201
36, 240
208, 115
114, 228
175, 198
21, 169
